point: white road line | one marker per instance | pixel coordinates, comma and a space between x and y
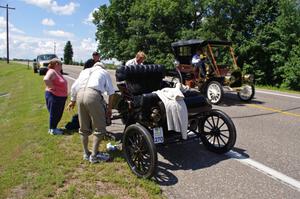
69, 77
266, 170
278, 94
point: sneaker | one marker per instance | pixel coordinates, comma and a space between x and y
99, 157
86, 156
55, 131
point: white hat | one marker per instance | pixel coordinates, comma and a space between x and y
99, 64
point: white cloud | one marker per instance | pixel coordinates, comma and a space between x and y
84, 49
28, 47
59, 33
90, 18
67, 9
12, 28
48, 22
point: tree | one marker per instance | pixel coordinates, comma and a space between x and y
127, 26
68, 53
265, 32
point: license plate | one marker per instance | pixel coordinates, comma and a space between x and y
158, 135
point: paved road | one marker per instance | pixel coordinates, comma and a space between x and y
265, 162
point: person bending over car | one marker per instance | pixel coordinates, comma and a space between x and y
87, 92
139, 59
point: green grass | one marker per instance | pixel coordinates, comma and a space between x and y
273, 88
34, 164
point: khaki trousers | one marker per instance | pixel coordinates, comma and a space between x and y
91, 112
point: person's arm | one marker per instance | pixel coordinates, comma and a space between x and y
48, 79
74, 89
110, 92
109, 106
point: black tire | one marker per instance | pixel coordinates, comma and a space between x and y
247, 93
140, 151
217, 132
214, 92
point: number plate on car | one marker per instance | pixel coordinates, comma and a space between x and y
158, 135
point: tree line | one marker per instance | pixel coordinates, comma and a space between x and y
265, 33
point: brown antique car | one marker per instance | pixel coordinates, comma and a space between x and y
221, 72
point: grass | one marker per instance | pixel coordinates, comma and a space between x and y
273, 88
34, 164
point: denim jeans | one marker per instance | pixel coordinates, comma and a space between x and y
55, 106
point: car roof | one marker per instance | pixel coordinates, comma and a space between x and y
47, 54
199, 42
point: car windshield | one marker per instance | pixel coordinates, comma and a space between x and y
222, 56
47, 57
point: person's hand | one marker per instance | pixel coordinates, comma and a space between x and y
71, 105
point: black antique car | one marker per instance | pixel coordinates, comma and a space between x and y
144, 116
222, 72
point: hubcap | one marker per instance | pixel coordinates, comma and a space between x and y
246, 92
214, 93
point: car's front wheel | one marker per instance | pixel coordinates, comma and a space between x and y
140, 151
214, 92
247, 93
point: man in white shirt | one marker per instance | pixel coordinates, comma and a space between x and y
87, 92
139, 59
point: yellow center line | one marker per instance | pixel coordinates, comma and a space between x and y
273, 110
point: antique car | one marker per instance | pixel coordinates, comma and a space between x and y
144, 115
221, 70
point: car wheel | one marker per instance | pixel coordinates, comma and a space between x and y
247, 93
140, 151
214, 92
217, 132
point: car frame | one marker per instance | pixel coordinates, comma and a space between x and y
220, 76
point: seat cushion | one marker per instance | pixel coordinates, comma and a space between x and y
194, 99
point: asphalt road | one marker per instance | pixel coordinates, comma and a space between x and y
264, 163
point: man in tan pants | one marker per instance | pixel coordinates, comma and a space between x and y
87, 92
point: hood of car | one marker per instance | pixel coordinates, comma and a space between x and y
43, 63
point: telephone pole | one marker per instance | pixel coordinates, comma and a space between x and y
7, 39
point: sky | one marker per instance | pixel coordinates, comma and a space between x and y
45, 26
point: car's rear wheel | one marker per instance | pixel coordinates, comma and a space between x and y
140, 151
247, 93
214, 92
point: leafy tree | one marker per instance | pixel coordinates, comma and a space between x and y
68, 53
125, 27
265, 32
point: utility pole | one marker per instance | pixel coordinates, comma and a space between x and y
54, 47
7, 39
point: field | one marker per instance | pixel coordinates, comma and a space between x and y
34, 164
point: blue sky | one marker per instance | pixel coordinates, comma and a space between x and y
36, 26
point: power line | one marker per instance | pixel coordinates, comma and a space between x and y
7, 40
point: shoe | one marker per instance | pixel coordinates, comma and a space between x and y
86, 156
55, 131
99, 157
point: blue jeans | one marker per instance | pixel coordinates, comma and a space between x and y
55, 106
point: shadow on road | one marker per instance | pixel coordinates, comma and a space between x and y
185, 156
231, 99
